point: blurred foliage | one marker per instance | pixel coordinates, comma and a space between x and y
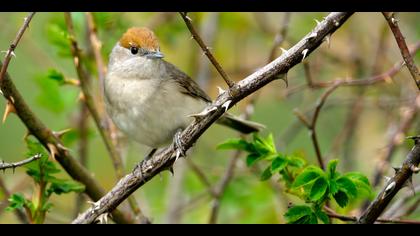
44, 73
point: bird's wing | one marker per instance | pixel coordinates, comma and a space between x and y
188, 86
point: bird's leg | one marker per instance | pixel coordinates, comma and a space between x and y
180, 152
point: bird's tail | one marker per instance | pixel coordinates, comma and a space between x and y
241, 125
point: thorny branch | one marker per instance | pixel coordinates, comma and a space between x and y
13, 46
399, 37
147, 169
4, 165
402, 176
206, 50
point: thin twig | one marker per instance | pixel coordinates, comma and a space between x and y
4, 165
402, 176
14, 44
399, 37
163, 160
280, 36
333, 214
90, 103
206, 50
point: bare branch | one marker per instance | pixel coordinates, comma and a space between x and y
280, 36
147, 169
4, 165
401, 177
14, 44
399, 37
206, 50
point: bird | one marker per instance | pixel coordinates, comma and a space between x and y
151, 100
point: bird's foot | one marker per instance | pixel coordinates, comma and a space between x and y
180, 152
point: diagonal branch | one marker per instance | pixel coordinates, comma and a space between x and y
147, 169
206, 49
402, 176
4, 165
399, 37
14, 44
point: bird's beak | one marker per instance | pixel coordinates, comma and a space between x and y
155, 55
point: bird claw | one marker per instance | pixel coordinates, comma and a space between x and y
178, 145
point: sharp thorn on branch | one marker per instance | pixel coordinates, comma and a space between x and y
226, 104
304, 52
221, 91
9, 109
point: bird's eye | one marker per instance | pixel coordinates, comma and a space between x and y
134, 50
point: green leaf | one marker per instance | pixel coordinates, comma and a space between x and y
56, 76
362, 183
17, 201
297, 212
59, 186
263, 146
341, 198
50, 96
238, 144
345, 184
296, 161
332, 166
333, 187
58, 37
278, 164
251, 159
309, 174
266, 174
323, 217
318, 189
313, 220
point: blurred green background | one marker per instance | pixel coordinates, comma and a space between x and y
241, 42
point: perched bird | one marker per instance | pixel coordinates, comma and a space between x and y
149, 99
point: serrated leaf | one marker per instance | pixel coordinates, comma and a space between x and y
278, 164
333, 187
266, 174
251, 159
296, 161
323, 217
313, 220
17, 201
297, 212
59, 186
261, 146
332, 168
362, 183
346, 185
309, 174
318, 189
341, 198
238, 144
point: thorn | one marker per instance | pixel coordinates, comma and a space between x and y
313, 35
336, 23
415, 169
178, 154
1, 92
394, 21
171, 169
12, 99
62, 147
52, 149
203, 113
396, 169
283, 50
226, 105
304, 52
220, 90
317, 22
103, 218
81, 97
209, 48
60, 133
192, 37
387, 178
284, 78
9, 109
388, 189
327, 38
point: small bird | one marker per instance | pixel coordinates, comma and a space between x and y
150, 99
